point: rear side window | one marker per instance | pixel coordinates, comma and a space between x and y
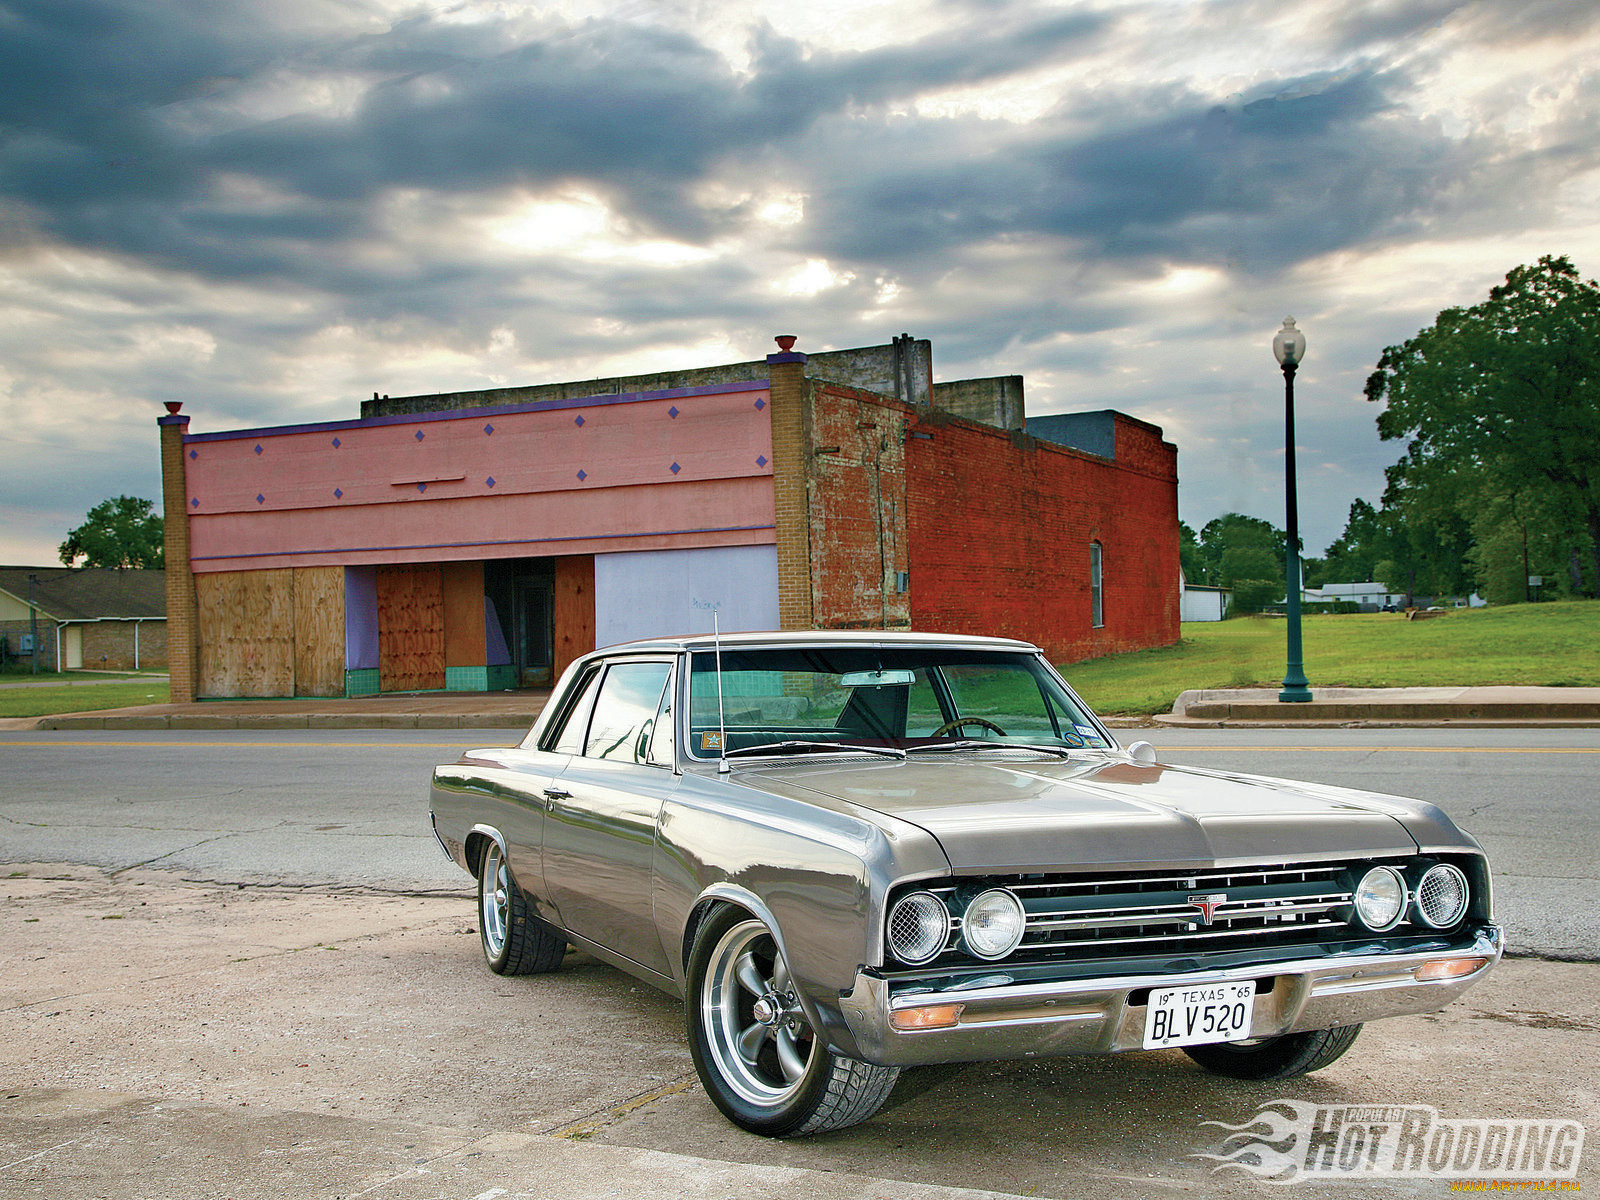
625, 712
568, 736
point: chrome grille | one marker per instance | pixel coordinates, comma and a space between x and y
1131, 912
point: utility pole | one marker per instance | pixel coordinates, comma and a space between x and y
33, 618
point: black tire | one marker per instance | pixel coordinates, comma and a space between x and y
515, 942
791, 1085
1275, 1058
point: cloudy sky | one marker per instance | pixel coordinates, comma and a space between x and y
270, 210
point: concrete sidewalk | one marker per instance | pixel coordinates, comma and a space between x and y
1514, 706
1506, 706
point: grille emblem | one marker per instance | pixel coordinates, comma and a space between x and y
1207, 905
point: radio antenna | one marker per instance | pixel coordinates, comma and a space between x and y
722, 725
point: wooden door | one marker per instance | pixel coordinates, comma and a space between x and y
410, 628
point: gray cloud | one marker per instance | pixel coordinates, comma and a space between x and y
276, 210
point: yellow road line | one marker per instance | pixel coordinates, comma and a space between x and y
261, 745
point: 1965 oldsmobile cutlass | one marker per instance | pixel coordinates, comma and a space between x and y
852, 852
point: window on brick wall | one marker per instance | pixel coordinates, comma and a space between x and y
1096, 590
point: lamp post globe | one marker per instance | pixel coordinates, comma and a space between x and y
1289, 348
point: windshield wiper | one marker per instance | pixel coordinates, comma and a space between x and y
804, 747
973, 744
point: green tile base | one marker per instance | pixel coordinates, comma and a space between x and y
361, 682
466, 679
501, 678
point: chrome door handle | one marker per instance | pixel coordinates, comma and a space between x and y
555, 793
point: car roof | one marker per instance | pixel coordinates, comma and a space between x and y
836, 638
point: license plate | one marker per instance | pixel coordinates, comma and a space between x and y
1193, 1016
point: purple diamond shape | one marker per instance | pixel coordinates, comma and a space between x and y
673, 412
422, 487
761, 404
674, 468
582, 474
488, 429
338, 493
420, 435
578, 420
194, 504
260, 499
194, 454
489, 481
258, 448
335, 443
761, 460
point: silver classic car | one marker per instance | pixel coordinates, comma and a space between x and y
854, 852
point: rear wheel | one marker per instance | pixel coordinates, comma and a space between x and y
515, 942
757, 1055
1275, 1057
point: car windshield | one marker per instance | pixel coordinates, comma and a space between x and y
907, 698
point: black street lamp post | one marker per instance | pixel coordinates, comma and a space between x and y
1290, 348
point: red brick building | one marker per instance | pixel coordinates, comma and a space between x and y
480, 540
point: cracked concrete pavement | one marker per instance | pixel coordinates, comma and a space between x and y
165, 1038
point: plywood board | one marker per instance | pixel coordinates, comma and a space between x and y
246, 624
462, 585
410, 628
319, 631
574, 610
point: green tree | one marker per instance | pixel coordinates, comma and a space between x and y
122, 532
1194, 567
1493, 399
1247, 555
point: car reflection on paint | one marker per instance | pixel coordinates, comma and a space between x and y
853, 852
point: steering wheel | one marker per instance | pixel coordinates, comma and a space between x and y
951, 726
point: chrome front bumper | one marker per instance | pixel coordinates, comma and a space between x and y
1097, 1016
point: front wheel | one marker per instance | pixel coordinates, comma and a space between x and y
1275, 1057
757, 1055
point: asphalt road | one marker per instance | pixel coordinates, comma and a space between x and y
348, 808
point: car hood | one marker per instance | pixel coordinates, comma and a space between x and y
1106, 810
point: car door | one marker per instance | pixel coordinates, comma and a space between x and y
600, 829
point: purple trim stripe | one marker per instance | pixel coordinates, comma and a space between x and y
458, 414
587, 537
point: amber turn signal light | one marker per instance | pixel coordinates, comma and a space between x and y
929, 1016
1450, 968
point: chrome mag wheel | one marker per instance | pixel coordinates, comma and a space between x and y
755, 1031
494, 899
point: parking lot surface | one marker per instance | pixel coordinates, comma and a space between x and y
166, 1038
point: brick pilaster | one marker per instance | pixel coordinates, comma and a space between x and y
182, 618
791, 452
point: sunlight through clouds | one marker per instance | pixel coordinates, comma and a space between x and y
270, 212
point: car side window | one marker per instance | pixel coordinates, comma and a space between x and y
625, 711
568, 737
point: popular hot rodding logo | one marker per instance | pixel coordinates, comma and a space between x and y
1288, 1142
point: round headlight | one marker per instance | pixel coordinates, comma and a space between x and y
993, 924
1442, 895
1380, 898
919, 925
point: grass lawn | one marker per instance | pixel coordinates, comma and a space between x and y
1554, 645
77, 697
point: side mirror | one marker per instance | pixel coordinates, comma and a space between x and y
1142, 753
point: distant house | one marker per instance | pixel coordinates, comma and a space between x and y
92, 617
1370, 597
1197, 602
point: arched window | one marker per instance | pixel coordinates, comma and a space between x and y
1096, 586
